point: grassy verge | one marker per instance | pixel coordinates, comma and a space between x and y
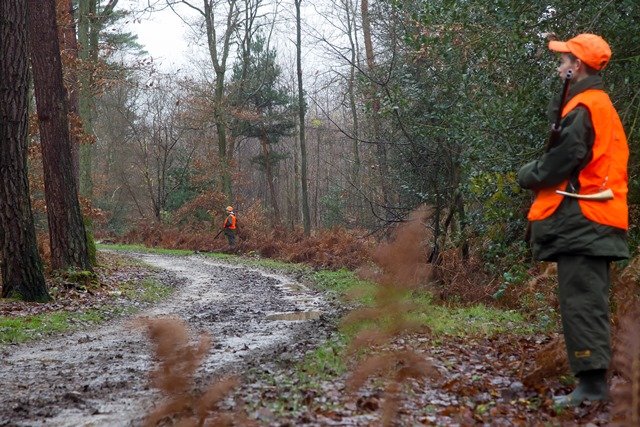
346, 284
22, 329
141, 248
28, 328
441, 320
147, 291
474, 320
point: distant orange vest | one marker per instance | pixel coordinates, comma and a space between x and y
230, 222
607, 168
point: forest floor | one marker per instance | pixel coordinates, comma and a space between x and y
278, 334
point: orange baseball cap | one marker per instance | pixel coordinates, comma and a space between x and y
589, 48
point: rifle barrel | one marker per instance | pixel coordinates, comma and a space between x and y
555, 130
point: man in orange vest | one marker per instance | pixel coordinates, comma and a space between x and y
583, 228
230, 225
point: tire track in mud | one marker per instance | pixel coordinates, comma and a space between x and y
99, 377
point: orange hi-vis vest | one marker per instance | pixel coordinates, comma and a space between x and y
607, 168
230, 222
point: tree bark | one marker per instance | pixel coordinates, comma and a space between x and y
296, 185
355, 171
219, 61
316, 205
69, 52
381, 147
306, 217
90, 24
86, 106
66, 228
20, 264
264, 142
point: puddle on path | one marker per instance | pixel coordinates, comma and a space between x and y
295, 315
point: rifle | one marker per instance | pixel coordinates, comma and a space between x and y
554, 136
555, 128
221, 230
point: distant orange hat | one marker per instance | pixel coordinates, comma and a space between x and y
589, 48
229, 208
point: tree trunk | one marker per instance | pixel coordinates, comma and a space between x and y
20, 264
355, 170
269, 176
66, 229
86, 14
316, 205
381, 147
90, 24
220, 119
296, 185
306, 217
69, 51
219, 61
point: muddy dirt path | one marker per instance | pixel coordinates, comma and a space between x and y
99, 377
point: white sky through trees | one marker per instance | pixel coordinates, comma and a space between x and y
173, 45
162, 33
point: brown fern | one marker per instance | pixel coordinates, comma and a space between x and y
626, 361
401, 270
626, 410
178, 359
550, 361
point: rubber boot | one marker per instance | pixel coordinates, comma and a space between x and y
592, 385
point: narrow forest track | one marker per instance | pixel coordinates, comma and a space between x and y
100, 377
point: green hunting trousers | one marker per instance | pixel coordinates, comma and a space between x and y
231, 236
584, 306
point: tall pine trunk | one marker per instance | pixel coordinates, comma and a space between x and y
66, 229
20, 264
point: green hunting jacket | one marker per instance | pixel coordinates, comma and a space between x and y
567, 230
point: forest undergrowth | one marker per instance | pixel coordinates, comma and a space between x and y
381, 351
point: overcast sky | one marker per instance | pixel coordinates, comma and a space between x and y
170, 41
162, 33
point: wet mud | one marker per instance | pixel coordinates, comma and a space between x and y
100, 377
